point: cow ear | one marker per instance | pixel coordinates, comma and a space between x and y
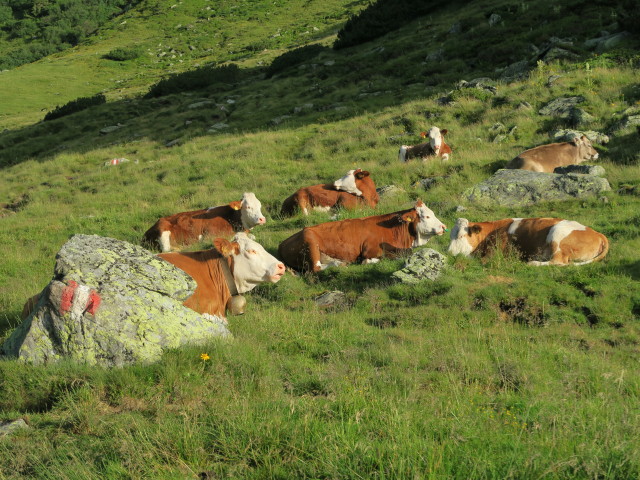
225, 247
576, 141
408, 217
361, 174
423, 134
474, 229
443, 132
237, 205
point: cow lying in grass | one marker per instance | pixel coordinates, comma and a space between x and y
546, 158
360, 239
189, 227
229, 269
436, 146
541, 241
354, 189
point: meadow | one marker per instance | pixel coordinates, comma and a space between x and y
495, 370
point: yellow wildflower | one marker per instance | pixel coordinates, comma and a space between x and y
204, 356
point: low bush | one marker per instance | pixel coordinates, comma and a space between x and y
76, 105
293, 58
195, 79
123, 54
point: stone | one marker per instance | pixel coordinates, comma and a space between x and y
630, 121
424, 264
11, 426
428, 182
552, 79
436, 56
389, 191
203, 103
494, 19
331, 299
582, 169
172, 143
578, 116
516, 188
515, 71
606, 41
110, 303
109, 129
218, 126
566, 135
561, 107
557, 53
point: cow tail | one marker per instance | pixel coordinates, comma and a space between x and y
604, 249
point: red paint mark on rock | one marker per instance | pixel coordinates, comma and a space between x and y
67, 296
93, 303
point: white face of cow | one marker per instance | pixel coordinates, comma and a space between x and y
253, 264
250, 211
585, 149
427, 226
348, 183
435, 139
459, 238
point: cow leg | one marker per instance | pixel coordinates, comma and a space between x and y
164, 241
367, 261
311, 252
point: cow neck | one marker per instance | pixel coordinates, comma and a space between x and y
228, 277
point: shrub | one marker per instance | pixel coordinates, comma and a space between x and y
123, 54
76, 105
293, 57
195, 79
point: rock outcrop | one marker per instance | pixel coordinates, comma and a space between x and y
425, 264
110, 303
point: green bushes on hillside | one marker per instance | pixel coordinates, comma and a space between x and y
293, 57
195, 79
123, 54
39, 28
75, 106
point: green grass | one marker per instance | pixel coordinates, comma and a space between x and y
496, 370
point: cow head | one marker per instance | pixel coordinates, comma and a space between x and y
425, 222
435, 138
464, 238
348, 183
252, 264
250, 211
585, 149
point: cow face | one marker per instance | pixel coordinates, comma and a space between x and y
464, 238
426, 223
250, 210
435, 139
585, 149
252, 264
348, 182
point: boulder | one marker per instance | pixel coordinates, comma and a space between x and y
110, 303
425, 264
515, 188
515, 71
561, 107
389, 191
11, 426
581, 169
566, 135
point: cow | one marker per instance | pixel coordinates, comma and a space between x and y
436, 146
354, 189
541, 241
364, 239
546, 158
230, 268
189, 227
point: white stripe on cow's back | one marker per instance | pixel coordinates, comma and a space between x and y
562, 230
514, 226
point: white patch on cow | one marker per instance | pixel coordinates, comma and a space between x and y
459, 240
164, 240
322, 209
254, 265
514, 226
435, 139
367, 261
428, 225
445, 157
199, 238
305, 211
215, 318
80, 299
402, 153
250, 211
561, 230
348, 184
318, 264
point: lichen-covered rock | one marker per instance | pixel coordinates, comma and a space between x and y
561, 107
521, 187
425, 264
111, 303
389, 191
566, 135
582, 169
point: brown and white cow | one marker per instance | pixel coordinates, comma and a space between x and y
354, 189
546, 158
247, 261
436, 146
542, 241
360, 239
189, 227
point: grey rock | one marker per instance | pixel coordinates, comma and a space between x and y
515, 71
127, 308
172, 143
203, 103
425, 264
524, 106
218, 126
7, 428
517, 188
552, 79
561, 107
330, 299
606, 41
460, 208
436, 56
494, 19
428, 182
109, 129
479, 83
455, 28
581, 169
579, 117
557, 53
566, 135
389, 191
499, 138
630, 121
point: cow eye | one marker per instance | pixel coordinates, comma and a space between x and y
252, 252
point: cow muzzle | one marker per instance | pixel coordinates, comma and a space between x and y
278, 273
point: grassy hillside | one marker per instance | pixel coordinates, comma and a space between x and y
496, 370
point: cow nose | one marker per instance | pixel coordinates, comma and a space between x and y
280, 269
262, 221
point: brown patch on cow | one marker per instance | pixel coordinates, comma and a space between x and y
518, 311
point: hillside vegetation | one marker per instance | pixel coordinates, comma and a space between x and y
495, 370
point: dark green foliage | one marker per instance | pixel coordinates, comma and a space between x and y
293, 58
123, 54
196, 79
380, 18
76, 105
629, 16
40, 28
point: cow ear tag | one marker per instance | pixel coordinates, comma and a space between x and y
237, 205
